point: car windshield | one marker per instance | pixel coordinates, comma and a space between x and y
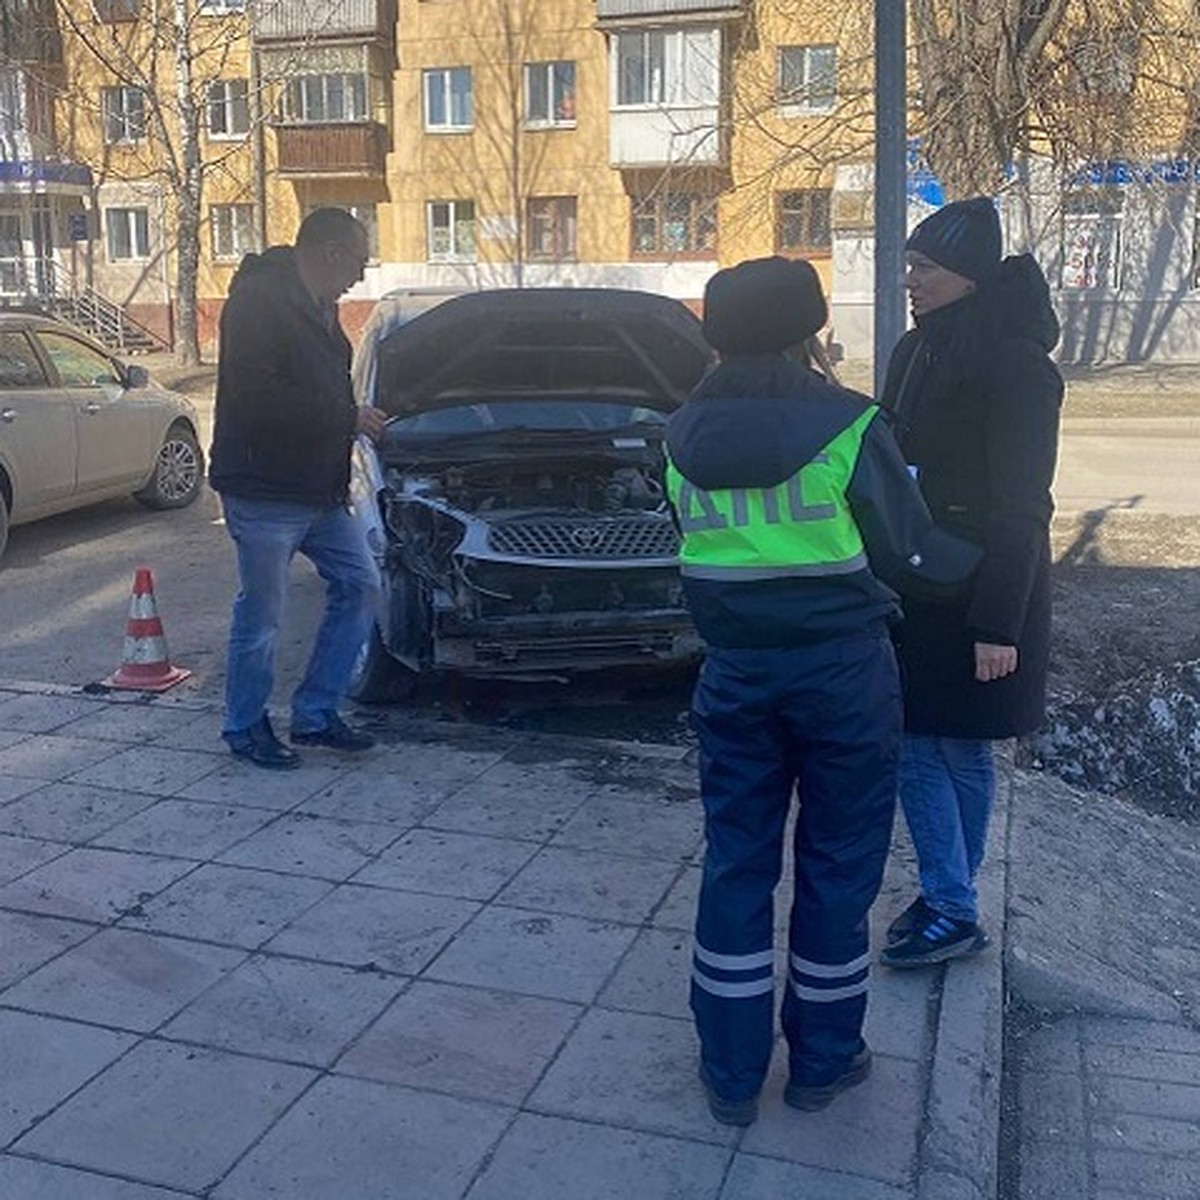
550, 416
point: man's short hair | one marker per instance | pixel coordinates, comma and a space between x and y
329, 225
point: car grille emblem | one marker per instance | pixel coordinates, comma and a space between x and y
586, 537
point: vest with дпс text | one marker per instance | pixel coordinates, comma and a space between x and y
800, 527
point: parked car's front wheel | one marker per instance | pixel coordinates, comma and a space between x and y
378, 678
178, 471
3, 524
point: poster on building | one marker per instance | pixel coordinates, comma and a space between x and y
1091, 252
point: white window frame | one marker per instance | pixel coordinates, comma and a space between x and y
812, 197
459, 215
299, 93
438, 82
1093, 239
550, 83
232, 227
797, 100
674, 68
366, 214
661, 211
116, 107
221, 8
229, 105
135, 220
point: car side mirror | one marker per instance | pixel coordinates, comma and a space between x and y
136, 377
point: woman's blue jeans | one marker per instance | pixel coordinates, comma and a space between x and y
946, 790
267, 535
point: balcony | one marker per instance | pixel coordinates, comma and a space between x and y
351, 149
662, 137
337, 20
634, 12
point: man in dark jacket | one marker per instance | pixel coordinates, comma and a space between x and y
285, 423
792, 499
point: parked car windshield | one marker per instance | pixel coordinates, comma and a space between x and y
554, 416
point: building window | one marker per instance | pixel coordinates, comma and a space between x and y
1091, 249
112, 11
319, 99
451, 230
667, 67
807, 78
448, 101
802, 222
366, 215
550, 227
124, 112
232, 230
674, 223
1196, 251
128, 234
220, 8
550, 93
228, 108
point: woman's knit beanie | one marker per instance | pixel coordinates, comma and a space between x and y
963, 237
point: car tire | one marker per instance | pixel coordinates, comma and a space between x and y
3, 524
178, 471
378, 678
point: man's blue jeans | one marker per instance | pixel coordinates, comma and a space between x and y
946, 790
267, 534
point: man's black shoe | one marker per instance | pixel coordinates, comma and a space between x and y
913, 917
813, 1097
259, 745
335, 734
937, 939
728, 1112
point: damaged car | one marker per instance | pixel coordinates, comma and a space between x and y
515, 502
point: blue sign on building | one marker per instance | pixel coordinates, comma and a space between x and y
25, 171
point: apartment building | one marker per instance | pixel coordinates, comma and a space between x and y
483, 143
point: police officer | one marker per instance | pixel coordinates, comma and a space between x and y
792, 500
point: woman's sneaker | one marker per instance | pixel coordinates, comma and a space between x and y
937, 939
913, 917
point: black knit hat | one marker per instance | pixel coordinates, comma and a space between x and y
763, 305
963, 237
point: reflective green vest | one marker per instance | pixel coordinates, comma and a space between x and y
802, 526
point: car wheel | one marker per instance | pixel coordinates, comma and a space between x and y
178, 471
377, 677
3, 525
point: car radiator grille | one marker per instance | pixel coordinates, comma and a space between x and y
634, 537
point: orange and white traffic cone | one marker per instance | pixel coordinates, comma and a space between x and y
145, 666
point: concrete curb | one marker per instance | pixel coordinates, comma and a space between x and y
958, 1158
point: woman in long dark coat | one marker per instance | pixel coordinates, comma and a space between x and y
976, 400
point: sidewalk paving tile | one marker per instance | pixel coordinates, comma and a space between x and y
42, 714
45, 1060
123, 979
375, 927
1145, 1134
536, 954
54, 757
353, 1138
898, 1012
232, 905
21, 855
547, 1158
154, 769
234, 782
171, 1115
184, 829
653, 830
754, 1178
1160, 1098
506, 812
92, 885
632, 1070
678, 907
870, 1130
29, 941
1053, 1107
1126, 1175
582, 883
10, 737
369, 794
1055, 1170
13, 786
437, 768
66, 812
135, 724
653, 976
1141, 1035
447, 864
24, 1179
278, 1008
302, 844
1142, 1062
466, 1041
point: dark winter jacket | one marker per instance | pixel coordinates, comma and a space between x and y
976, 400
285, 413
754, 421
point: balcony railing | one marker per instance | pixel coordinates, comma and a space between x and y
352, 149
306, 20
667, 137
617, 11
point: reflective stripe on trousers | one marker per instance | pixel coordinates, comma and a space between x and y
821, 722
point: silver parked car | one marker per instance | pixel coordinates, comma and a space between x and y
516, 503
77, 426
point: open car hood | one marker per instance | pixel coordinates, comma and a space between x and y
554, 341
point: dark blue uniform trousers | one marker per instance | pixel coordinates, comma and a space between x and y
822, 722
